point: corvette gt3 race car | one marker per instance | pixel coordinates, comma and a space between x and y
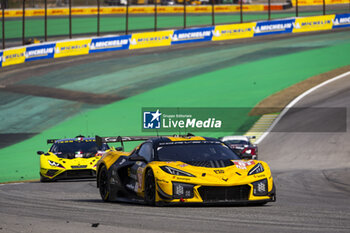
70, 158
182, 169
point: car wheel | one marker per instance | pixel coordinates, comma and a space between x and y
104, 184
150, 188
44, 179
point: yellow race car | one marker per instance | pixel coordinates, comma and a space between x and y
70, 158
180, 170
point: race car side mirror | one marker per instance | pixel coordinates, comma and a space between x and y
40, 152
119, 148
137, 158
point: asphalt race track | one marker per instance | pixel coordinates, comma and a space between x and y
311, 170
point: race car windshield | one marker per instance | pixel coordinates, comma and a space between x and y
70, 149
195, 152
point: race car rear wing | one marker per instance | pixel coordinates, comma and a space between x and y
51, 141
100, 140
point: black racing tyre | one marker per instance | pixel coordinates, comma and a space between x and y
104, 185
150, 188
44, 179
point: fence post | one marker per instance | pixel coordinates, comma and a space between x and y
3, 23
155, 15
70, 19
186, 12
241, 10
45, 20
23, 21
98, 17
296, 9
213, 12
324, 7
127, 18
269, 10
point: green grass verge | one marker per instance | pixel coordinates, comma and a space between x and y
238, 86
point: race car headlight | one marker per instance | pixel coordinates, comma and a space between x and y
260, 188
176, 172
182, 190
52, 163
256, 169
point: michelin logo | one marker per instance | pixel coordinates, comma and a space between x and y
273, 27
190, 35
68, 48
341, 21
39, 52
151, 120
108, 44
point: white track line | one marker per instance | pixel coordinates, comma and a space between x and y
296, 100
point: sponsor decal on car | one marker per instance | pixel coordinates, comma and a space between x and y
219, 171
139, 178
243, 164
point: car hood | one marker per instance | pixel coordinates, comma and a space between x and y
234, 174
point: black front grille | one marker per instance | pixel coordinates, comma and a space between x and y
210, 163
80, 173
51, 172
71, 174
220, 194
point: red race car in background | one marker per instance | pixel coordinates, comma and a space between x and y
241, 145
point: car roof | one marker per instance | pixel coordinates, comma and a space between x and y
226, 138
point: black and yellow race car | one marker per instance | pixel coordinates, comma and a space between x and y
182, 169
70, 158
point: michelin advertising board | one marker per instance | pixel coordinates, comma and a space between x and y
23, 54
314, 23
233, 31
13, 56
72, 48
192, 35
274, 27
110, 43
1, 58
39, 52
151, 39
341, 21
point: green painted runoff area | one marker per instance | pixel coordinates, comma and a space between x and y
236, 86
34, 27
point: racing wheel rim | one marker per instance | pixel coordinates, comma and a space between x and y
103, 184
